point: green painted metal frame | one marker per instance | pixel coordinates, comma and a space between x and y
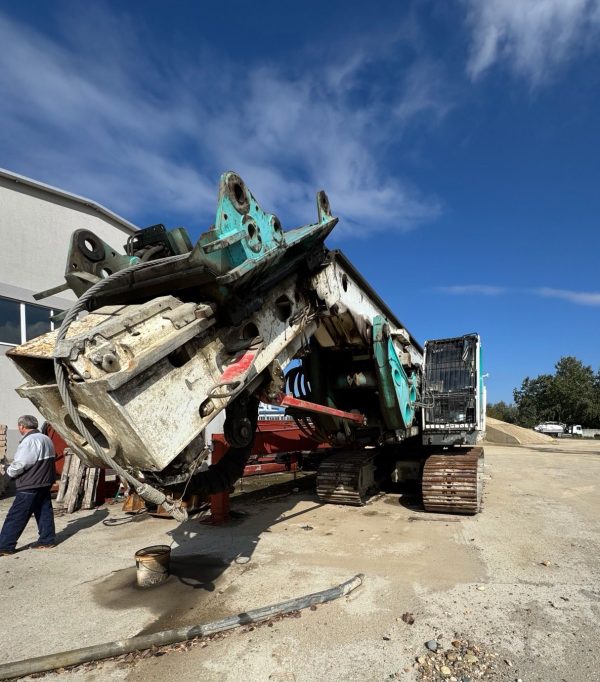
244, 244
398, 391
246, 239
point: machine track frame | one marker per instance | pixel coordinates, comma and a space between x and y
452, 482
348, 478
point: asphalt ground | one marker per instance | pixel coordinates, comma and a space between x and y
519, 582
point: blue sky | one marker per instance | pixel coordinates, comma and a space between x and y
459, 142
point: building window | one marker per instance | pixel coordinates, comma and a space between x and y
10, 321
20, 322
37, 321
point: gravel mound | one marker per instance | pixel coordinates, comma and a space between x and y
510, 434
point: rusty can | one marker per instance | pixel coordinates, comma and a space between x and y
152, 564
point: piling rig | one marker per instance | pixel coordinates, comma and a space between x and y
166, 335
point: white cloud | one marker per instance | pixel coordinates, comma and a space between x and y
425, 91
473, 289
137, 130
533, 36
578, 297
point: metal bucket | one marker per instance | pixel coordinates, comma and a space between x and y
152, 564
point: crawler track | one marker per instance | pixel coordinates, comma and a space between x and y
347, 478
453, 483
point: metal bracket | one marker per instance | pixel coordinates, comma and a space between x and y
246, 239
238, 372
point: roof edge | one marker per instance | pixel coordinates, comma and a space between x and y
22, 179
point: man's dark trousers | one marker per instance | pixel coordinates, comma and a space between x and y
27, 502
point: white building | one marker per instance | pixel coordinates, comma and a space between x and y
36, 224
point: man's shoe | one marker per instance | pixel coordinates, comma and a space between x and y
40, 545
6, 552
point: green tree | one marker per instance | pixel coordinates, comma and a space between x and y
535, 402
573, 391
596, 415
571, 396
503, 411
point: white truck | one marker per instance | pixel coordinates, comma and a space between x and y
550, 428
559, 430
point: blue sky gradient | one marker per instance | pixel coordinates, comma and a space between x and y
458, 142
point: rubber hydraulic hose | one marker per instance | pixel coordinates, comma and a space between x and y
64, 659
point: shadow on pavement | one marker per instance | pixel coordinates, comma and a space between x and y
82, 523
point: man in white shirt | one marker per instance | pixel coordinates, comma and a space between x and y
34, 473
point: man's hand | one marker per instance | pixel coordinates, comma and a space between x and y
2, 469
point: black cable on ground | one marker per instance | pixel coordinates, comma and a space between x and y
64, 659
121, 520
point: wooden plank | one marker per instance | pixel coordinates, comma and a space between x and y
64, 477
76, 476
91, 483
73, 470
88, 484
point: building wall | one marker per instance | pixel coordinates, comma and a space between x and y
36, 225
